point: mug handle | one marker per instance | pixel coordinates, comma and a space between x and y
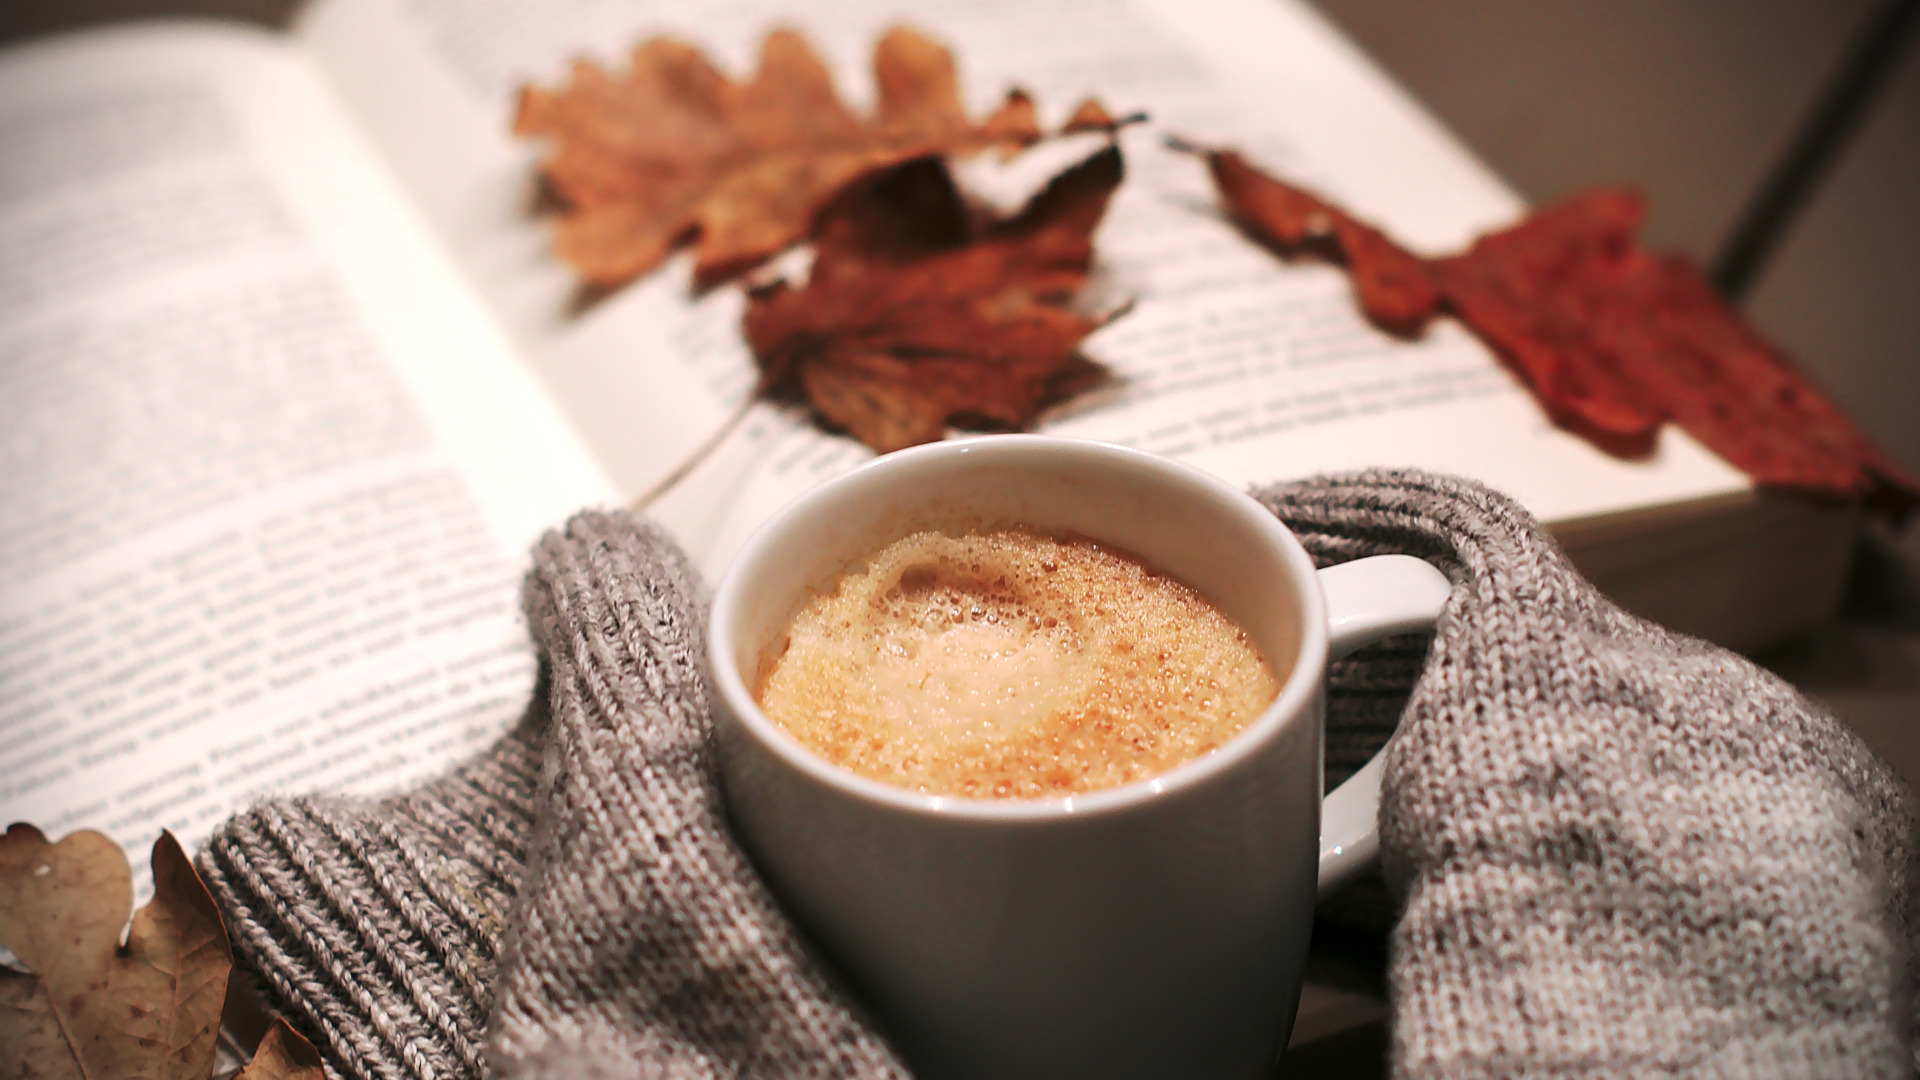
1368, 599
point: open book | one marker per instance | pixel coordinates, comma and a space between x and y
290, 380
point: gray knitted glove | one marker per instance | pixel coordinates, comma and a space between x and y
1622, 852
375, 926
640, 943
641, 934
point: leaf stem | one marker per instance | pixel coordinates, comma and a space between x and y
1181, 146
699, 454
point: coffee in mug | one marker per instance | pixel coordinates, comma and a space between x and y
1151, 929
1011, 663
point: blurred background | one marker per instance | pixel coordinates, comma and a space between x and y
1779, 143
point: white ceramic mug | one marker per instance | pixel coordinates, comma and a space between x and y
1152, 930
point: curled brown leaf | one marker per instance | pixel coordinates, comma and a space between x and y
917, 312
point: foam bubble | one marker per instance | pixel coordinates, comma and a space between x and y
1012, 664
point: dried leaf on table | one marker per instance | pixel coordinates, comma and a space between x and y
93, 1007
918, 311
283, 1055
1612, 340
670, 152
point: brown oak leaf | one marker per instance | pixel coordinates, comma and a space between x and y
919, 311
670, 151
1613, 341
283, 1055
93, 1007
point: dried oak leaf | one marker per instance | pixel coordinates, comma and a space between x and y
283, 1055
917, 311
93, 1007
670, 151
1612, 340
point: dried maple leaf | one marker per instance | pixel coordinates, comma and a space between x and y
1613, 341
1540, 294
1392, 285
1717, 378
917, 312
92, 1007
670, 152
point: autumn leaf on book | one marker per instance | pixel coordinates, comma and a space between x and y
1612, 340
919, 310
670, 152
92, 1007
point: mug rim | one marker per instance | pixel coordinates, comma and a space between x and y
1295, 693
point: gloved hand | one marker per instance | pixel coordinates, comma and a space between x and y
1620, 851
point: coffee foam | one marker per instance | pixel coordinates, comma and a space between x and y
1012, 664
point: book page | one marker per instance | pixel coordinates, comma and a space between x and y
1256, 369
270, 468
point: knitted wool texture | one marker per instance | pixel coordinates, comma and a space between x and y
1620, 851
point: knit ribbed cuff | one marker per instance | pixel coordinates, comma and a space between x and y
373, 925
